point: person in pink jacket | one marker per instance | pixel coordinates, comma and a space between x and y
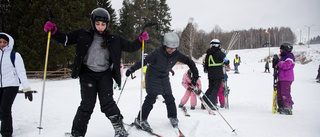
186, 80
285, 78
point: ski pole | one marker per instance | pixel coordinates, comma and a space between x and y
142, 64
45, 72
233, 130
122, 90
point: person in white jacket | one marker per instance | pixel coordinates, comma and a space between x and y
12, 73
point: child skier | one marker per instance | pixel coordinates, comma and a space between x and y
96, 63
285, 78
160, 61
186, 80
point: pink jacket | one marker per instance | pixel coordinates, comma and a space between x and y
186, 81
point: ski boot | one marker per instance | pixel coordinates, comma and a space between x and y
193, 107
221, 105
144, 125
286, 111
117, 124
174, 122
181, 105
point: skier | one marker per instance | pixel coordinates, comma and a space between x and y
121, 72
97, 50
186, 80
236, 63
214, 61
12, 74
267, 66
285, 78
160, 61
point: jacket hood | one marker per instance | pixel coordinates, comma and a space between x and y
11, 42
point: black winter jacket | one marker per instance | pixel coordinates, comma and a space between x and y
83, 38
159, 64
214, 71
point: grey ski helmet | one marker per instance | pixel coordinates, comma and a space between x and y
171, 40
99, 14
286, 47
215, 43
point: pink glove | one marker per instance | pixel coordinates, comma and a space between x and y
144, 36
49, 26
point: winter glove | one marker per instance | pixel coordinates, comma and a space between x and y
194, 81
189, 88
128, 72
49, 26
143, 36
28, 93
275, 61
172, 72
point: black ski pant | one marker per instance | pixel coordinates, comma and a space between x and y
7, 96
151, 99
212, 91
93, 84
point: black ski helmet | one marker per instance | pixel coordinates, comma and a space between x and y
99, 14
286, 47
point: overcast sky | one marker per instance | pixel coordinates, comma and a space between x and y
245, 14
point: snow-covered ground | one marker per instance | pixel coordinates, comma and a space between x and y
250, 104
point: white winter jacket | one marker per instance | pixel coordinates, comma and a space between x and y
10, 75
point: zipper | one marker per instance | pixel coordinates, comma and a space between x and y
1, 68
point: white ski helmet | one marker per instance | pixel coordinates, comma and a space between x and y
171, 40
215, 43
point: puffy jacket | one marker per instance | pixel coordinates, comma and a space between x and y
10, 75
83, 38
285, 67
159, 65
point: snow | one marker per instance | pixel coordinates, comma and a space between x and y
250, 104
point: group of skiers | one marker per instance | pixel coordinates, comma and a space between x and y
97, 63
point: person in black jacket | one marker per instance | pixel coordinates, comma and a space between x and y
213, 64
160, 61
96, 62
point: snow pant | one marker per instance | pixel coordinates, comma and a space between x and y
93, 84
193, 98
265, 70
236, 68
151, 99
220, 96
7, 96
212, 91
284, 93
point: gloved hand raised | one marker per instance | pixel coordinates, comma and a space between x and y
275, 61
128, 72
49, 26
144, 36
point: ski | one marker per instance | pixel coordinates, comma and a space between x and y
197, 91
275, 90
184, 109
180, 133
150, 132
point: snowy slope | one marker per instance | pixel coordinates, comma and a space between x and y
250, 104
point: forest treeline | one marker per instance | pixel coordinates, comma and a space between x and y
24, 21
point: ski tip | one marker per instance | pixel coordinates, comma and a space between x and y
234, 131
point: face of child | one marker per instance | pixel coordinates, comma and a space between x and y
100, 26
3, 43
170, 50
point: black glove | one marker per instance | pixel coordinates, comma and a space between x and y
194, 81
275, 61
128, 72
28, 95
